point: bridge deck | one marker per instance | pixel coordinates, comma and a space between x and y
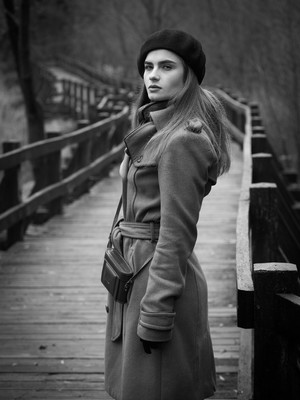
52, 317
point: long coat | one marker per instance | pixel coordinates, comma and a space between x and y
168, 300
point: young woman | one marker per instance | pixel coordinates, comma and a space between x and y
158, 345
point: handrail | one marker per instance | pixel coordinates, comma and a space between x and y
87, 72
265, 204
96, 147
59, 189
263, 166
243, 245
245, 289
43, 148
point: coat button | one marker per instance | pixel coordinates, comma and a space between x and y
139, 159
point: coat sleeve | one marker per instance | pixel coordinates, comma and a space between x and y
183, 181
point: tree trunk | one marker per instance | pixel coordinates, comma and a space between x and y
19, 37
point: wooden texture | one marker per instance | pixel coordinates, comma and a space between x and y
42, 148
52, 304
259, 143
10, 195
262, 168
273, 366
59, 189
264, 222
97, 147
54, 175
243, 247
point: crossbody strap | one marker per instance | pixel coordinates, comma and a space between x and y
130, 281
109, 244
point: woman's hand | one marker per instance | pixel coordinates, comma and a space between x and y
149, 345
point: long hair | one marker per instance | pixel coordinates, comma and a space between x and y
197, 110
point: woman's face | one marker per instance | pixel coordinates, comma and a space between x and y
163, 74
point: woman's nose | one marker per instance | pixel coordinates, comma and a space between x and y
154, 76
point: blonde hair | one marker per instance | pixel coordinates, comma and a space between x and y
197, 110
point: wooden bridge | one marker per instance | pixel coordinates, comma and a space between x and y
52, 312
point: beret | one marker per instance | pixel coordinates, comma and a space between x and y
180, 43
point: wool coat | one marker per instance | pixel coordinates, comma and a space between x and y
167, 303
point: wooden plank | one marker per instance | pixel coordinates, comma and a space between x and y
80, 365
245, 377
61, 395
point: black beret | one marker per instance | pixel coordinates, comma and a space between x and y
179, 42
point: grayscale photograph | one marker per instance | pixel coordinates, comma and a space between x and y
149, 199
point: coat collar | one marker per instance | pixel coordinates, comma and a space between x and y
144, 112
161, 118
137, 139
157, 115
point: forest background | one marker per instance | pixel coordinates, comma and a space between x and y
252, 48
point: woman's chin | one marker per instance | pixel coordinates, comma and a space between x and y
156, 97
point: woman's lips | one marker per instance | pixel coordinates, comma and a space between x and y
154, 88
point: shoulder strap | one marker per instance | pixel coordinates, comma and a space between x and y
109, 244
130, 281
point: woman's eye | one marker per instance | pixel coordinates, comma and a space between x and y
148, 67
167, 67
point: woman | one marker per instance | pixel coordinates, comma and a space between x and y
158, 345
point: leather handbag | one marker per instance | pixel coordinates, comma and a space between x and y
116, 273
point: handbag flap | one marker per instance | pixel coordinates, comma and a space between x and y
118, 263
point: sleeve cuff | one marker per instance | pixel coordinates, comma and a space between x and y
156, 327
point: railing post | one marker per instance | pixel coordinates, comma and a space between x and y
87, 102
287, 324
54, 176
84, 158
290, 175
81, 101
72, 97
256, 121
254, 107
92, 110
69, 91
258, 129
262, 168
10, 195
75, 85
259, 143
264, 222
269, 364
65, 94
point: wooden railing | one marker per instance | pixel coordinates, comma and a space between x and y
89, 102
101, 111
93, 75
94, 147
92, 97
267, 258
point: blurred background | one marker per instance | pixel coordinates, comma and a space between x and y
252, 48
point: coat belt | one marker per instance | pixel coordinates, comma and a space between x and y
140, 230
